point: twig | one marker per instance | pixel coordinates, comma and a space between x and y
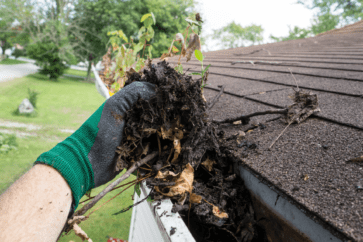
245, 118
135, 204
110, 199
231, 234
292, 120
279, 136
295, 80
134, 181
157, 136
115, 183
216, 98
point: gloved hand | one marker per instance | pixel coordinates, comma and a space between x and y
87, 158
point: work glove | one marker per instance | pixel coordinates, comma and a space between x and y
87, 158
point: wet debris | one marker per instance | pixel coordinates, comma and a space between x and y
193, 166
305, 104
172, 231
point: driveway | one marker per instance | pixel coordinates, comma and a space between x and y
9, 72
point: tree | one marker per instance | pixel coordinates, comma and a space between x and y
324, 22
295, 33
95, 18
331, 14
348, 11
47, 23
234, 35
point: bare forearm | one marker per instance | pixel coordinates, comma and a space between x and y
35, 207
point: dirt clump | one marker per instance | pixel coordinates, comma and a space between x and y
193, 167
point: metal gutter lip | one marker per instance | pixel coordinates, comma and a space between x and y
269, 203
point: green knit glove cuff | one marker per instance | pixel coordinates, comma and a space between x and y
70, 157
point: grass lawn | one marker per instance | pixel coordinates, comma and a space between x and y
64, 104
102, 223
11, 62
78, 73
17, 162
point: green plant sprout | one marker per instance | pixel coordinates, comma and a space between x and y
125, 57
198, 54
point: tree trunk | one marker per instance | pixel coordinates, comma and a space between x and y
89, 71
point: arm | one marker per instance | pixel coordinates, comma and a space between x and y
36, 206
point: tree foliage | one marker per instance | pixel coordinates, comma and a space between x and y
98, 17
348, 11
331, 14
294, 33
234, 35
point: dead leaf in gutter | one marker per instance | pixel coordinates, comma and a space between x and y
208, 163
183, 181
217, 212
194, 198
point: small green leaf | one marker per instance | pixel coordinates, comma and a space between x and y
141, 31
195, 73
145, 17
179, 68
149, 199
148, 22
139, 64
138, 47
122, 35
199, 55
206, 69
137, 189
153, 16
151, 32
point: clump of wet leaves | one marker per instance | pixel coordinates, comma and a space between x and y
305, 104
192, 168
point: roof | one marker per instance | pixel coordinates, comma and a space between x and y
309, 161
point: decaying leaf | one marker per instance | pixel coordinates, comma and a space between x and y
80, 233
194, 198
194, 44
305, 104
208, 163
240, 136
146, 149
165, 55
217, 212
183, 182
174, 49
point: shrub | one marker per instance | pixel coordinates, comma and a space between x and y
7, 142
17, 53
47, 58
32, 96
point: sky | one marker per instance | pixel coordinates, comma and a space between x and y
273, 15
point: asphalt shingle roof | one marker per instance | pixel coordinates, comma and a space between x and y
330, 65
